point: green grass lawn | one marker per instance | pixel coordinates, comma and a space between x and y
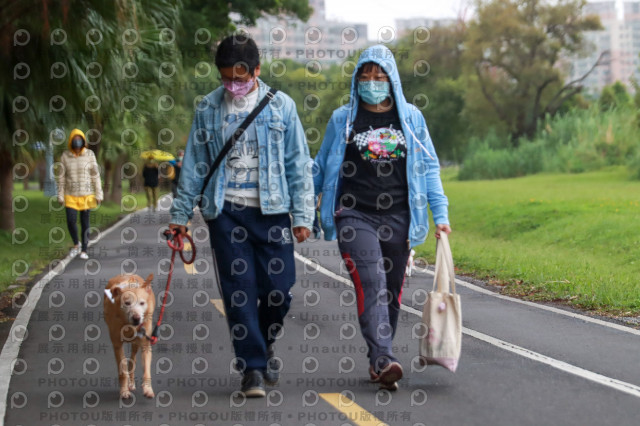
571, 238
39, 240
557, 237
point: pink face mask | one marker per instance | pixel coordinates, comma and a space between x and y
239, 88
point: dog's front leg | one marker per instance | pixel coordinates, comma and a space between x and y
147, 390
132, 371
123, 371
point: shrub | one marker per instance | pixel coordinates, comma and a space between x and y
578, 141
634, 165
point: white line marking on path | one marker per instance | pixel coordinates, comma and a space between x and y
555, 310
619, 385
11, 347
478, 289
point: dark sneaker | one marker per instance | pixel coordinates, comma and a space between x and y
390, 375
252, 385
274, 366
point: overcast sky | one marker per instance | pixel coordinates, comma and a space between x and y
380, 13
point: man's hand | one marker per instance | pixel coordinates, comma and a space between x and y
301, 233
181, 229
442, 228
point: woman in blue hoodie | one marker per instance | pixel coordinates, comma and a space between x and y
377, 171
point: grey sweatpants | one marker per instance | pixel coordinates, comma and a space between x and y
375, 251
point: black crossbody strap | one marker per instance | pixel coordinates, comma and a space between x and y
236, 135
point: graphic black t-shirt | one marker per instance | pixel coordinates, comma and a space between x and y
374, 170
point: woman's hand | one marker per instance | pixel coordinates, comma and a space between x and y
442, 228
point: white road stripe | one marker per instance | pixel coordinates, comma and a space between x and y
585, 318
552, 362
621, 386
555, 310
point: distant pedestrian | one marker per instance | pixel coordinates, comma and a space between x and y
377, 170
150, 176
263, 185
79, 188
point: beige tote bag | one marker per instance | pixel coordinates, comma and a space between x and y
441, 314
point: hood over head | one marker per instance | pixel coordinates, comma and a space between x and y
382, 56
74, 133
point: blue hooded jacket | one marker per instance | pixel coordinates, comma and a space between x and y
423, 169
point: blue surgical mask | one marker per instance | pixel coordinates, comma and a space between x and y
374, 92
77, 143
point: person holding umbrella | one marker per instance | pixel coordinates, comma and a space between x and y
79, 188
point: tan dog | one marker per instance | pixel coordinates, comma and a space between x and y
128, 307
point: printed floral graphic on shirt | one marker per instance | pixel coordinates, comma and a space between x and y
385, 144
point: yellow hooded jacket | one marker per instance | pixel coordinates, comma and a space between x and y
79, 185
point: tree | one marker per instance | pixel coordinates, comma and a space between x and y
39, 77
64, 67
431, 75
513, 53
614, 96
316, 89
205, 21
82, 63
145, 65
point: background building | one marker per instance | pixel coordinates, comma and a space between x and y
621, 37
318, 39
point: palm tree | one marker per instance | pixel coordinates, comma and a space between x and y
81, 63
65, 66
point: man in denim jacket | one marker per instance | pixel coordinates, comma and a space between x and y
264, 183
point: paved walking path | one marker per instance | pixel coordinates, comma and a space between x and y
521, 363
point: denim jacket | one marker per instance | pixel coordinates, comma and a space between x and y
285, 176
423, 170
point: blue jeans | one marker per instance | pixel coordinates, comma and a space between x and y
254, 256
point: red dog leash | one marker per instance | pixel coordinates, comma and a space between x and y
178, 247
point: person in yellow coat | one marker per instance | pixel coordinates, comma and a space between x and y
79, 188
